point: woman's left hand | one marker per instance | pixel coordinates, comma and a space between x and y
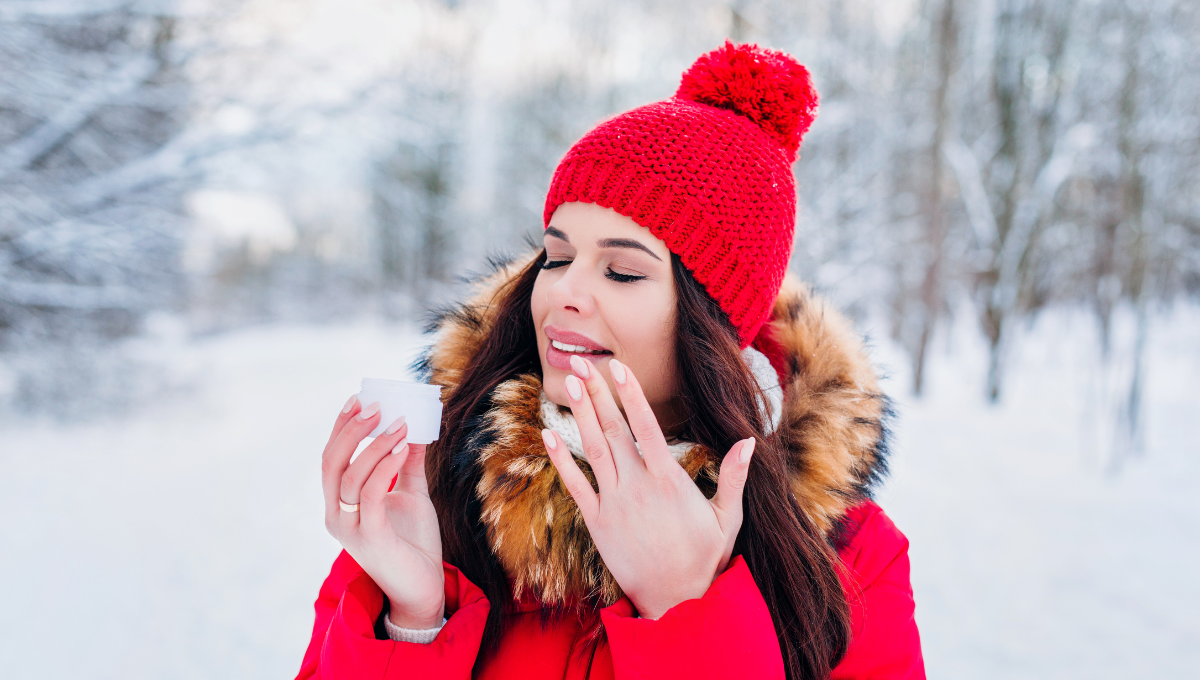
661, 539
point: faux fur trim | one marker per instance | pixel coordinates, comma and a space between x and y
835, 417
834, 422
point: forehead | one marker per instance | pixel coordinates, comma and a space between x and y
585, 223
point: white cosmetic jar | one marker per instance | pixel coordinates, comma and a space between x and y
420, 404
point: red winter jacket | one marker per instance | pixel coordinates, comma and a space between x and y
725, 634
832, 422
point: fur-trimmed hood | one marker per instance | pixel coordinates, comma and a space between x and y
834, 424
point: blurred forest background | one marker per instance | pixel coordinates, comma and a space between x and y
217, 215
232, 162
229, 162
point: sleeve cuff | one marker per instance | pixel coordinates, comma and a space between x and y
351, 642
421, 637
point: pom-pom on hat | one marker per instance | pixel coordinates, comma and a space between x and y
708, 172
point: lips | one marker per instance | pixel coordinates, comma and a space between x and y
571, 338
558, 358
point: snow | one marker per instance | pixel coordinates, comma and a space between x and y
225, 219
1031, 556
187, 540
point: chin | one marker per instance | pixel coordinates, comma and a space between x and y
557, 393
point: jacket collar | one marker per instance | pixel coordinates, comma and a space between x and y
833, 422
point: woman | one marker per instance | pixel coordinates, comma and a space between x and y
657, 448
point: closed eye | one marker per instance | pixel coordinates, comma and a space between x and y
609, 273
622, 278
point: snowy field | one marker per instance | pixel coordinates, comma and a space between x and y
187, 541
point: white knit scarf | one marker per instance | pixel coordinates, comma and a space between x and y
563, 422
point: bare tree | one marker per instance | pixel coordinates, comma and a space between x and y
85, 93
937, 221
1035, 157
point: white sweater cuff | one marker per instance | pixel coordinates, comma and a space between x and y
421, 637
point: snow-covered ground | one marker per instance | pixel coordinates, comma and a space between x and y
1032, 557
187, 541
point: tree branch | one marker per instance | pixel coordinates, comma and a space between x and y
65, 295
71, 117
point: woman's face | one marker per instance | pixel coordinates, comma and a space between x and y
607, 286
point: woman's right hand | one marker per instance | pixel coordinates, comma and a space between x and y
394, 536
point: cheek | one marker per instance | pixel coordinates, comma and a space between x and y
538, 309
537, 304
649, 343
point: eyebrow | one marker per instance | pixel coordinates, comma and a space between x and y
626, 243
607, 242
557, 233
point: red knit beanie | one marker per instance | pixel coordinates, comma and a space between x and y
708, 172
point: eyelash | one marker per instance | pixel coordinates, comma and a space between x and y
619, 278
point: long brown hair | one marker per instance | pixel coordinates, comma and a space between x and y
792, 563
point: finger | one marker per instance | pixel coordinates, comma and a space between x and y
337, 456
412, 474
595, 445
371, 505
356, 475
642, 422
350, 410
612, 423
730, 482
573, 478
727, 502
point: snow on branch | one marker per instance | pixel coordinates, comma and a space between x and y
974, 194
1033, 207
70, 296
68, 119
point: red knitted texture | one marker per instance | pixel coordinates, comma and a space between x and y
711, 178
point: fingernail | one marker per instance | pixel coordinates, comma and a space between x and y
400, 446
350, 403
580, 366
395, 425
747, 449
574, 387
369, 412
618, 371
548, 437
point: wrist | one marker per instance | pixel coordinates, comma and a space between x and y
424, 619
654, 606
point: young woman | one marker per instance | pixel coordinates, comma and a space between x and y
657, 447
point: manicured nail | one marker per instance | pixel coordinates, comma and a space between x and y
369, 412
400, 446
618, 371
548, 437
350, 403
747, 449
580, 366
395, 425
574, 387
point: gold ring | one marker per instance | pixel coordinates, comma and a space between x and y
346, 507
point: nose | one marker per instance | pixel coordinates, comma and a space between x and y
572, 292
